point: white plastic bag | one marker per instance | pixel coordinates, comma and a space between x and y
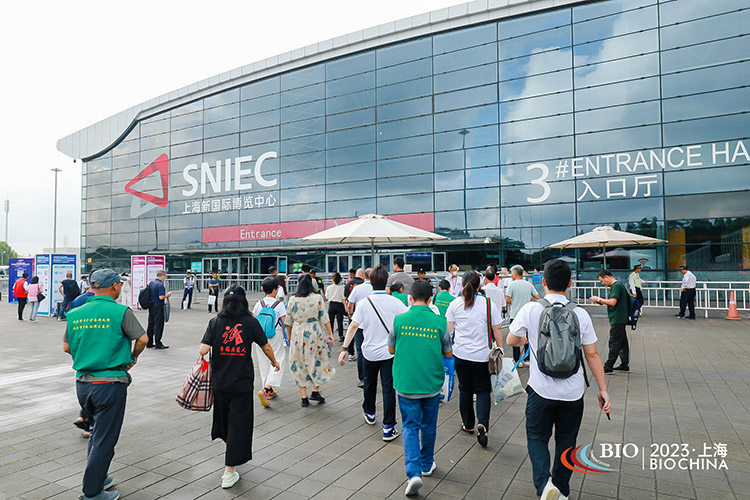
508, 383
211, 300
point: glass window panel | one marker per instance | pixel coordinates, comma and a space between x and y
187, 149
449, 200
257, 215
405, 166
179, 237
351, 119
536, 22
721, 128
465, 98
589, 11
221, 113
270, 134
154, 127
702, 30
534, 107
407, 204
400, 185
549, 83
351, 84
350, 137
127, 147
618, 24
482, 219
560, 192
534, 42
355, 172
618, 140
315, 125
185, 221
301, 178
711, 53
450, 221
483, 136
465, 58
711, 205
679, 12
616, 48
350, 208
303, 161
405, 147
403, 72
353, 154
187, 120
350, 65
304, 111
220, 143
349, 102
405, 109
466, 37
536, 129
617, 117
475, 157
306, 144
482, 177
315, 211
259, 88
710, 104
304, 76
270, 165
702, 181
539, 237
405, 51
538, 215
155, 141
221, 128
472, 77
629, 184
616, 71
187, 108
260, 120
446, 181
405, 90
404, 128
617, 93
466, 118
529, 151
105, 189
539, 62
706, 79
610, 211
96, 204
307, 194
260, 104
186, 134
303, 94
213, 157
221, 99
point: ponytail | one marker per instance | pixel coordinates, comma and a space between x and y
471, 288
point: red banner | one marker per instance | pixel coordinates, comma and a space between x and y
300, 229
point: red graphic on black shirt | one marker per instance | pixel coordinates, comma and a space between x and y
232, 334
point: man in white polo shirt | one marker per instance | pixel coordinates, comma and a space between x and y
375, 316
555, 402
359, 293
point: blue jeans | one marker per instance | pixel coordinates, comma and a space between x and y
419, 415
541, 415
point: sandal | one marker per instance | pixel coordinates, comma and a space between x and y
468, 431
82, 424
482, 435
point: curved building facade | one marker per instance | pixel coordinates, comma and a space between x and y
506, 126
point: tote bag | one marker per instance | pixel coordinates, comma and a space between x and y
508, 383
197, 393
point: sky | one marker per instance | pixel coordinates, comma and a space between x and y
67, 65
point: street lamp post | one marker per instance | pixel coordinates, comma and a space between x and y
7, 209
54, 227
464, 133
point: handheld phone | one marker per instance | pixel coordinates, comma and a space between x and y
601, 402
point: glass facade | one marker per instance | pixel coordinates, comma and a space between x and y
527, 131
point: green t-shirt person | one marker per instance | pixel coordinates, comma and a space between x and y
402, 297
618, 314
442, 300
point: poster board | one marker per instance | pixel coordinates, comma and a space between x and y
16, 268
143, 269
44, 271
60, 265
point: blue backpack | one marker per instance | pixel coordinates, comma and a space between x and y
267, 318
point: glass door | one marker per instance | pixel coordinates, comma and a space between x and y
438, 261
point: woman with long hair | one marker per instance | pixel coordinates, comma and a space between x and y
335, 296
34, 289
310, 341
468, 319
230, 336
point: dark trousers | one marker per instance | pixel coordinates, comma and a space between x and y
233, 424
106, 403
618, 346
385, 368
187, 295
336, 313
155, 324
359, 337
639, 298
64, 307
217, 301
687, 298
473, 378
541, 415
21, 306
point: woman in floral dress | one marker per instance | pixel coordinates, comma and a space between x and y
310, 341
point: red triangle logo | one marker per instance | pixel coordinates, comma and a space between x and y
160, 165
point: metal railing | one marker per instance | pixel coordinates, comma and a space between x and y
709, 295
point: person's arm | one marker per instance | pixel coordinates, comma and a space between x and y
599, 300
268, 351
66, 348
451, 324
348, 339
204, 348
60, 289
515, 341
138, 347
507, 299
594, 361
166, 294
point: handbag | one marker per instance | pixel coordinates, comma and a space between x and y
211, 300
449, 365
507, 383
496, 352
196, 393
40, 297
167, 310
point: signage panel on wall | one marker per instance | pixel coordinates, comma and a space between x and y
16, 268
61, 265
43, 270
143, 269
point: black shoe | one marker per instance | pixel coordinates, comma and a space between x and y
149, 346
679, 316
361, 384
608, 369
341, 339
315, 396
161, 346
622, 368
691, 317
481, 435
305, 402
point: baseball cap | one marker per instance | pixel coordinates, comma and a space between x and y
683, 267
104, 278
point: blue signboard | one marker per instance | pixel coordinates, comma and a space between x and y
16, 268
62, 264
43, 270
197, 266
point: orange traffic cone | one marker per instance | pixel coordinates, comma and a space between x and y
733, 309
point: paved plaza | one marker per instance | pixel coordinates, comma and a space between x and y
690, 383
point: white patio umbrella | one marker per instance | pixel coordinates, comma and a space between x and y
603, 237
373, 228
617, 252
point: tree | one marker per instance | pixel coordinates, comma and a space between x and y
9, 253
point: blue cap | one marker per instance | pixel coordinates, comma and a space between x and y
105, 278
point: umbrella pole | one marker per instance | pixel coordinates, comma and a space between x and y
604, 252
372, 252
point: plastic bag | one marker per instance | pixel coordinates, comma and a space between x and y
508, 383
449, 364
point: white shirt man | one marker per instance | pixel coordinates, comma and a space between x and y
495, 294
360, 292
688, 280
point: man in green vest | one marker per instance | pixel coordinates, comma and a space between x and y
443, 299
98, 336
419, 340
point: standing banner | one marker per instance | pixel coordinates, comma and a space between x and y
43, 270
16, 268
61, 264
143, 269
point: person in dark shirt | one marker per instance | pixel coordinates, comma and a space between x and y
617, 311
230, 336
159, 295
69, 290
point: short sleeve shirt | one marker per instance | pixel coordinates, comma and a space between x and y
280, 309
526, 323
471, 334
157, 290
69, 288
375, 343
520, 293
351, 284
232, 368
403, 278
618, 314
360, 292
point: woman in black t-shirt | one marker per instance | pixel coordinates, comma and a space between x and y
231, 334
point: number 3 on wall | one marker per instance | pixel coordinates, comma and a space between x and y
540, 181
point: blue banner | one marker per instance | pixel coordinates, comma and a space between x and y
16, 268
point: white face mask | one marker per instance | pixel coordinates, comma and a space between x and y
454, 273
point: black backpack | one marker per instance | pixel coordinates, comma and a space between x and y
144, 298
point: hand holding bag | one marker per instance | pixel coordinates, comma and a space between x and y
197, 393
508, 383
496, 352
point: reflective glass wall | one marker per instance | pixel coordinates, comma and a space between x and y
631, 113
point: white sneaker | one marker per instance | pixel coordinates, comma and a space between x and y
228, 479
413, 485
429, 472
550, 492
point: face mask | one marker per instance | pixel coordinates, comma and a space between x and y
454, 273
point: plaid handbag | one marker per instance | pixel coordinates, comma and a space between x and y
197, 393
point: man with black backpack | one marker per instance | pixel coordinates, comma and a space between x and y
559, 335
270, 312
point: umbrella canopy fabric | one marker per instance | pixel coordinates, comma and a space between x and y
373, 228
605, 236
617, 252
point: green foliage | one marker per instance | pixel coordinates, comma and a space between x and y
9, 253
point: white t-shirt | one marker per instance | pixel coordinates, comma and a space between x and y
496, 294
457, 284
471, 335
360, 292
335, 293
375, 343
281, 293
527, 323
280, 309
